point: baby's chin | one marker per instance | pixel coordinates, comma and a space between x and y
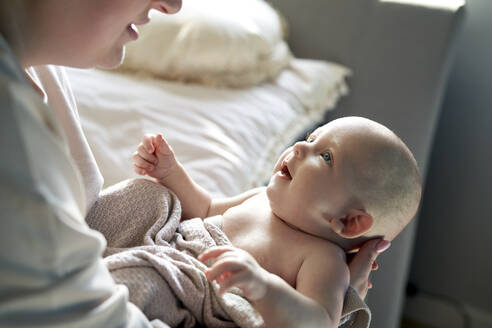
268, 192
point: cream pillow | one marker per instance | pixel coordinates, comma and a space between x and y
229, 43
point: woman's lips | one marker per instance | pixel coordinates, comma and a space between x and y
133, 30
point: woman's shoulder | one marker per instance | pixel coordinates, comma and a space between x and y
35, 154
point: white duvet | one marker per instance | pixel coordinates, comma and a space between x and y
228, 139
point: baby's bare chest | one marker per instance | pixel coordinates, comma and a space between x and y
278, 248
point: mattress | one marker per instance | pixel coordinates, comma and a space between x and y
227, 139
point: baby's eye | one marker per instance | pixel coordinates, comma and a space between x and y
310, 138
326, 157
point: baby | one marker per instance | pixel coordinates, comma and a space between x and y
351, 180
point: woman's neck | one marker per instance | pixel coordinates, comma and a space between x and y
16, 27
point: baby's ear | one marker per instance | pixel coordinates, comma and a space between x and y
353, 225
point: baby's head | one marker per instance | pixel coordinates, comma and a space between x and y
352, 179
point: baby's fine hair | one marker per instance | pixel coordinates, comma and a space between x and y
387, 181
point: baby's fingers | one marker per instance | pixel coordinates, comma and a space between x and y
221, 267
162, 146
149, 157
232, 280
147, 143
142, 163
139, 170
214, 252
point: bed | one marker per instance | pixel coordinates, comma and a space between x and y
230, 98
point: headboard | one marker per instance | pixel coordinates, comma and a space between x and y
399, 51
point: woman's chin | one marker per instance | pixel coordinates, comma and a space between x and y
112, 60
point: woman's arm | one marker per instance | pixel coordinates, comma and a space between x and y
51, 270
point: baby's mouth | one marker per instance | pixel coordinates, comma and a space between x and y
285, 171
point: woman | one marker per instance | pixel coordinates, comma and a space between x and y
51, 270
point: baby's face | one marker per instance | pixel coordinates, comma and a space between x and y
308, 185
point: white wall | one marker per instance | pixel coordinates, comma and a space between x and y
453, 251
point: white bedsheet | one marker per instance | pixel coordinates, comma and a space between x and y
228, 139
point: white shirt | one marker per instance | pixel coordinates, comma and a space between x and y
58, 96
51, 270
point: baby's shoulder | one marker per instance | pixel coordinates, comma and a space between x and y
326, 251
324, 276
324, 273
326, 258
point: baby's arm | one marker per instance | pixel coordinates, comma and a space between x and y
220, 205
155, 158
316, 302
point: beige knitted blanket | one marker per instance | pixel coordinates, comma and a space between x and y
154, 255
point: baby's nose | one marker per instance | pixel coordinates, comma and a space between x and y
299, 148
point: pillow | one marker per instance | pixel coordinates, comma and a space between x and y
224, 43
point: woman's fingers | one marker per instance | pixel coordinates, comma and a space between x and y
382, 245
363, 262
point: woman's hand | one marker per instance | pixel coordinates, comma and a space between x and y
363, 262
154, 157
236, 268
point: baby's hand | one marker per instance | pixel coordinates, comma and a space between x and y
235, 267
154, 157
